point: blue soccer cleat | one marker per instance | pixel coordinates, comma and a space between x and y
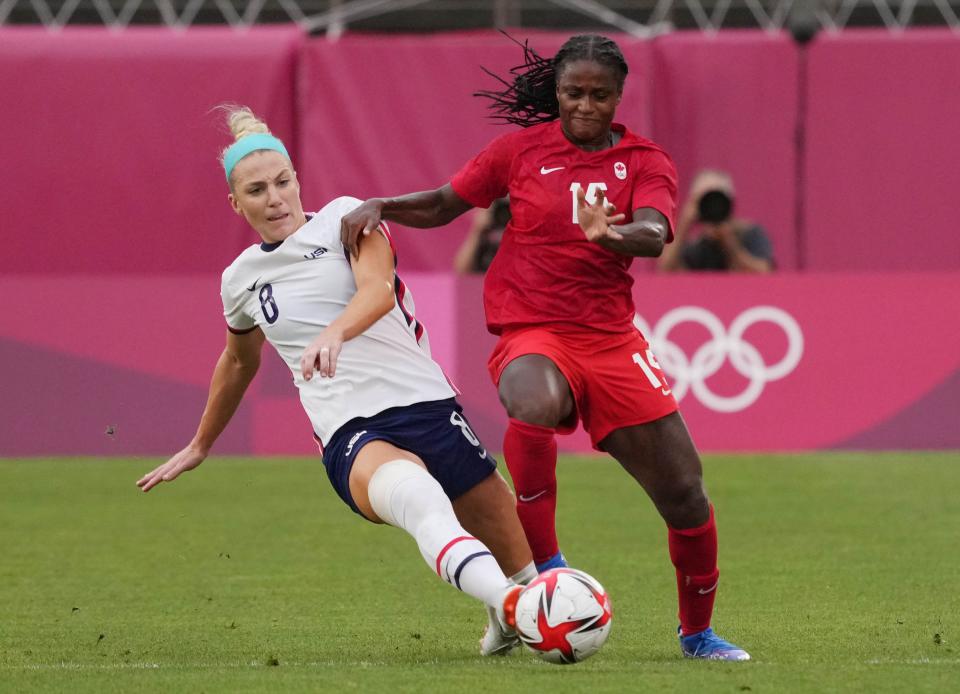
709, 646
557, 561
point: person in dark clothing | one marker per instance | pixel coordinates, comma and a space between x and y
725, 242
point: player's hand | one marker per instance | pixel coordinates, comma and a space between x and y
359, 222
321, 355
187, 459
595, 219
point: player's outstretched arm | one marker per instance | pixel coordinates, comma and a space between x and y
644, 237
373, 275
235, 369
429, 208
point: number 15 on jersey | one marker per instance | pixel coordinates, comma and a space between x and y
591, 195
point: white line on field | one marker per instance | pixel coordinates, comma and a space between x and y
188, 666
913, 661
337, 663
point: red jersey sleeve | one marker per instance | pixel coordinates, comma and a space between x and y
656, 186
485, 178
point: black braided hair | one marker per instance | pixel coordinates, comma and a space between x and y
530, 95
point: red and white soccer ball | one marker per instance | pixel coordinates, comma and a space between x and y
564, 616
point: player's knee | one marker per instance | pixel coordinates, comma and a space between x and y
401, 491
535, 392
497, 495
686, 504
544, 410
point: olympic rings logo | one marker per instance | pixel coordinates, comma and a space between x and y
691, 374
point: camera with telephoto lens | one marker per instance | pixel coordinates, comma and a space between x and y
715, 206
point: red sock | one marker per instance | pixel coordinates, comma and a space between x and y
530, 452
693, 552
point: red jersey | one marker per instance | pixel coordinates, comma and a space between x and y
546, 271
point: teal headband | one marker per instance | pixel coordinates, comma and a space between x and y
247, 144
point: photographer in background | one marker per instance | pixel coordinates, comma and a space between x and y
725, 242
482, 241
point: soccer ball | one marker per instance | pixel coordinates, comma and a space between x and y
564, 616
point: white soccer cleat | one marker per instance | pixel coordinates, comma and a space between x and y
500, 636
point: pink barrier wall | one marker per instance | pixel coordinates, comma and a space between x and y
116, 225
883, 150
109, 160
811, 361
788, 362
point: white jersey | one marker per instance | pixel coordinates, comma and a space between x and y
294, 289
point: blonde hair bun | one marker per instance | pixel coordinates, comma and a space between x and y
242, 122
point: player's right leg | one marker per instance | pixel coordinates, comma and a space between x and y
661, 456
537, 398
487, 511
392, 485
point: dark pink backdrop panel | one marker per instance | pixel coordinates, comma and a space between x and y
110, 153
388, 115
883, 150
728, 101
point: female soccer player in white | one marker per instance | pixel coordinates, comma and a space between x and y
395, 443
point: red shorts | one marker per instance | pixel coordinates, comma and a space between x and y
615, 379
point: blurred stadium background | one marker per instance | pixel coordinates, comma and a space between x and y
842, 145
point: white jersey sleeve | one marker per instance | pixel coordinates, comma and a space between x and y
238, 321
294, 289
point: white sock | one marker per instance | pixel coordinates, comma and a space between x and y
525, 575
406, 496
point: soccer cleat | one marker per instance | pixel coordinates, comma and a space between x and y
500, 636
557, 561
709, 646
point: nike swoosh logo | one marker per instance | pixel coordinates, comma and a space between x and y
254, 286
710, 589
533, 496
666, 391
544, 170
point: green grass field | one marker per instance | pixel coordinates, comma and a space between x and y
839, 573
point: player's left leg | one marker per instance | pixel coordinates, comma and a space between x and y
488, 512
393, 485
661, 456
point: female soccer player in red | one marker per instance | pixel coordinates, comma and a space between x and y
586, 197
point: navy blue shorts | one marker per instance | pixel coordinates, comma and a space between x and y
436, 431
